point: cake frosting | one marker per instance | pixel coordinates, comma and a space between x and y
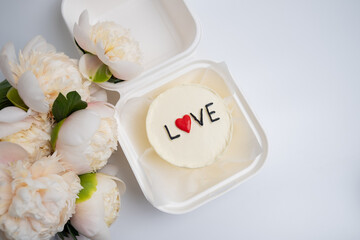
189, 126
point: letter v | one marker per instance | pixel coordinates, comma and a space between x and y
201, 117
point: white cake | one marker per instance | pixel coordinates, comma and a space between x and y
189, 126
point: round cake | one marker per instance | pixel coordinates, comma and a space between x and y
189, 126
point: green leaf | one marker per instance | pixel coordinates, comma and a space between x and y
55, 133
75, 102
69, 231
72, 234
61, 235
115, 80
63, 107
60, 108
89, 182
102, 74
15, 99
4, 88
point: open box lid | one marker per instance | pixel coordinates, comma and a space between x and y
166, 30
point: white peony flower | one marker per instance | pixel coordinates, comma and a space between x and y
88, 137
35, 138
36, 199
98, 205
40, 73
110, 44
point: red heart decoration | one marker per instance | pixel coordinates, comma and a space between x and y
184, 123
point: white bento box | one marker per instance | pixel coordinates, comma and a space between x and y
168, 34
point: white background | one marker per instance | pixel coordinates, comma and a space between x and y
298, 65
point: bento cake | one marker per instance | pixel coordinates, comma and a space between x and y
189, 126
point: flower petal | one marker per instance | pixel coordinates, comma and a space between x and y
38, 44
97, 93
74, 137
13, 114
105, 177
121, 185
124, 70
6, 70
82, 33
9, 51
103, 234
31, 93
74, 158
10, 152
7, 129
88, 219
83, 39
88, 65
109, 169
102, 109
8, 55
78, 128
84, 20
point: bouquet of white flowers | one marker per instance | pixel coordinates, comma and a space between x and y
57, 131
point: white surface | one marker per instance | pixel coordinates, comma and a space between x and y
298, 65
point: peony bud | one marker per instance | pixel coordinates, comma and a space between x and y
98, 205
87, 138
